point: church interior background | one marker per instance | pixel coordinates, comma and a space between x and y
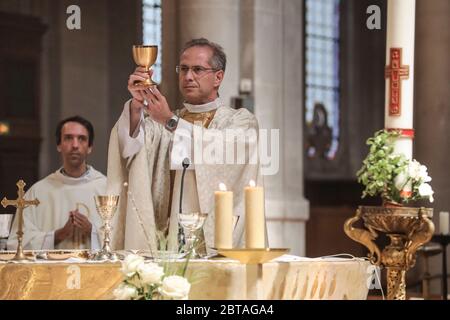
306, 62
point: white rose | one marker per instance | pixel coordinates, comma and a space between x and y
426, 191
125, 292
423, 173
175, 287
131, 264
150, 273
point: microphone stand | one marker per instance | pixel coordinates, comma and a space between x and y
186, 163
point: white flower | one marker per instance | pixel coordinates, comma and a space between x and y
150, 273
426, 191
175, 287
125, 292
414, 170
131, 264
418, 172
423, 173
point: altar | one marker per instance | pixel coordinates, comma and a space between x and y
288, 278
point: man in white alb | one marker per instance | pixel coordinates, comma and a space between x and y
66, 217
149, 142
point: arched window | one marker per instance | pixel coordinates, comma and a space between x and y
151, 24
322, 78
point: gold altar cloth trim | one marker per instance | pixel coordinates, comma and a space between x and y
217, 279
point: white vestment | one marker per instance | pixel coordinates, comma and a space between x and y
144, 161
59, 194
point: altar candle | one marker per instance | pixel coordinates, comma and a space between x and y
254, 217
223, 226
400, 72
443, 222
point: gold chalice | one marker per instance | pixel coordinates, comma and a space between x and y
106, 207
145, 56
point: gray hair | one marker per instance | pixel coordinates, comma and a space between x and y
218, 60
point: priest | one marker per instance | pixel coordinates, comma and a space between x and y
149, 143
66, 217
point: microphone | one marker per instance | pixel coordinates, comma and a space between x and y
186, 163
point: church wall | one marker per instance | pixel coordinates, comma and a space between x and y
85, 71
432, 107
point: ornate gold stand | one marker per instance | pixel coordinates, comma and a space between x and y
408, 229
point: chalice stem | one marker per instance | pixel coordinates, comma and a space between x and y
106, 247
190, 243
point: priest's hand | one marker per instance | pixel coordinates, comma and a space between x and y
65, 232
139, 74
157, 107
81, 222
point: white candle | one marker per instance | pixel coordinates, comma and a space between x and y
400, 71
254, 217
443, 222
223, 225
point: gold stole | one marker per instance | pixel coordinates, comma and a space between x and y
194, 117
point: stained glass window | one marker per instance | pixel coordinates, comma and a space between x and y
322, 76
151, 22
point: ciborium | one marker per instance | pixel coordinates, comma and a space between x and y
106, 208
408, 228
145, 56
191, 223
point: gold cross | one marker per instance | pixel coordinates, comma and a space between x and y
20, 203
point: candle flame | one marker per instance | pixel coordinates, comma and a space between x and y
252, 183
222, 186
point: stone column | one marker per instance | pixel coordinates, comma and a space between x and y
263, 42
432, 104
218, 21
272, 54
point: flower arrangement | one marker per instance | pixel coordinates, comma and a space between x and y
392, 176
151, 281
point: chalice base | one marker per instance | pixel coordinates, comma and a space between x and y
106, 256
146, 83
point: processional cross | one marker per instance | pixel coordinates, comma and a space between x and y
20, 203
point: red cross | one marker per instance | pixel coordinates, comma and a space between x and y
396, 72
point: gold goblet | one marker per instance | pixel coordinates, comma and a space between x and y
145, 56
106, 207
